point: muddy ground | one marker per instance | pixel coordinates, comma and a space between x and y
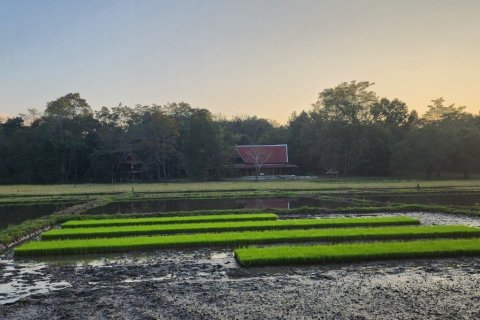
208, 284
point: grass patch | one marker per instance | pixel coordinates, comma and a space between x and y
298, 255
121, 231
16, 232
87, 246
317, 184
168, 220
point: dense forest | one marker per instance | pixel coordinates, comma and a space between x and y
349, 129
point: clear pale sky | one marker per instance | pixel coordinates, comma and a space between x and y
234, 57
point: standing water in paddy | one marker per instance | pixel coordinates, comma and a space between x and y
213, 204
16, 214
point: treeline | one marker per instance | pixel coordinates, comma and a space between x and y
349, 129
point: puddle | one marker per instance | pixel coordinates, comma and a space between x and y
166, 278
25, 279
219, 256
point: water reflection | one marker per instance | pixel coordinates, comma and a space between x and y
16, 214
213, 204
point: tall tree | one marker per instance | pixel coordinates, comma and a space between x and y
390, 112
437, 111
157, 134
348, 102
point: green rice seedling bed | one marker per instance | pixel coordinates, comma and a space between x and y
168, 220
316, 254
104, 245
124, 231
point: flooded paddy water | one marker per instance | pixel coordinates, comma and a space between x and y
16, 214
284, 203
209, 284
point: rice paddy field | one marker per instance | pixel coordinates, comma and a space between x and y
196, 228
229, 239
354, 262
299, 255
168, 220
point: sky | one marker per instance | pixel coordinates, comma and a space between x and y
237, 57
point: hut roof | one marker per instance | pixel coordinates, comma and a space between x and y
272, 153
130, 158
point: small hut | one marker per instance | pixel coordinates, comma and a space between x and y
332, 173
130, 167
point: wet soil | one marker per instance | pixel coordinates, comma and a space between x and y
454, 198
208, 284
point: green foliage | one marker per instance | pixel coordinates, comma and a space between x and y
392, 113
447, 144
349, 129
347, 102
70, 106
16, 232
122, 244
318, 254
120, 231
437, 111
168, 220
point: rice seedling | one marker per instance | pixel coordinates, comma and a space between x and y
315, 254
168, 220
122, 231
103, 245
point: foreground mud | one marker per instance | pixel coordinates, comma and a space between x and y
208, 284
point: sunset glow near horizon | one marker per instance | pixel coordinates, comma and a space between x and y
265, 58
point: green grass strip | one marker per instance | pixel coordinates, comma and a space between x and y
168, 220
104, 245
300, 255
125, 231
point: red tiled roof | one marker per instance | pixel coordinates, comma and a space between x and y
270, 154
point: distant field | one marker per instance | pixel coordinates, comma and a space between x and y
321, 184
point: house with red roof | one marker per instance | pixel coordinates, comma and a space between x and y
262, 160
